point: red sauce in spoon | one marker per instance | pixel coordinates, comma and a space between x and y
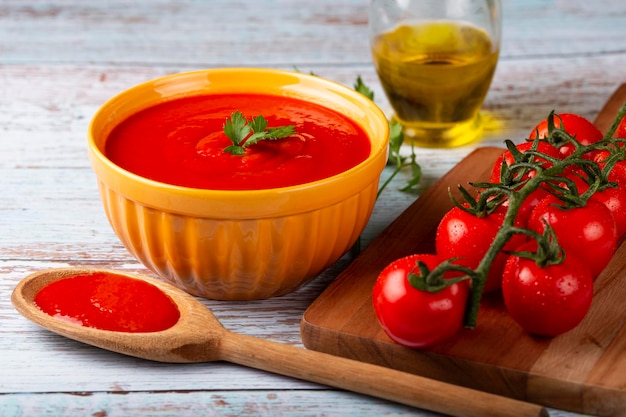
109, 302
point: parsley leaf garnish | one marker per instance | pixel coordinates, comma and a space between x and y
360, 87
238, 130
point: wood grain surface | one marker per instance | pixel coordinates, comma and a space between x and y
582, 370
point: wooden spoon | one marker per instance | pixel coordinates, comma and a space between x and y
199, 337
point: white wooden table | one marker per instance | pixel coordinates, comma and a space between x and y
60, 60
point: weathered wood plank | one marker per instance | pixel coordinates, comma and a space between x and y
222, 33
258, 403
46, 126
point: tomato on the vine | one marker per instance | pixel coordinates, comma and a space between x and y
614, 198
588, 232
507, 157
548, 300
577, 126
618, 171
527, 207
467, 238
533, 199
413, 317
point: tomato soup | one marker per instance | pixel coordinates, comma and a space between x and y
181, 142
108, 302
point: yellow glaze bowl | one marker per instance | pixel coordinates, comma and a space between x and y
239, 245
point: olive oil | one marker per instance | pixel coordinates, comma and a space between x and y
436, 76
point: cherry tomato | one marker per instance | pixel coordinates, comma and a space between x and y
542, 147
546, 301
527, 207
416, 318
618, 172
467, 237
614, 198
588, 232
533, 199
582, 129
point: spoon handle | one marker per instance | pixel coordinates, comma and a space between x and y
373, 380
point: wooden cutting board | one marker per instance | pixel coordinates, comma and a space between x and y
583, 370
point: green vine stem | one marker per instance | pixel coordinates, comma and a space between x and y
516, 194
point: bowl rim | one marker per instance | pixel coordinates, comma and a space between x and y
192, 201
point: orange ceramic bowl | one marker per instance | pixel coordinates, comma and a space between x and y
239, 245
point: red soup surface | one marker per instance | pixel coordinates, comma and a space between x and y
109, 302
182, 141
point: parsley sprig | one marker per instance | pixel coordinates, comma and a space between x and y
238, 130
396, 139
